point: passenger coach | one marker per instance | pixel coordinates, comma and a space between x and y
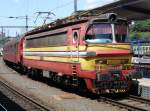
13, 52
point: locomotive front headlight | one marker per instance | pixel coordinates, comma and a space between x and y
101, 61
112, 17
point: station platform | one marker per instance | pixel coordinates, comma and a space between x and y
144, 88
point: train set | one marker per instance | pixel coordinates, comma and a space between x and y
90, 53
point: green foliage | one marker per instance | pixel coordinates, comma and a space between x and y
141, 26
140, 35
141, 30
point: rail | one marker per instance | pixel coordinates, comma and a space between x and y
2, 108
19, 94
142, 100
126, 105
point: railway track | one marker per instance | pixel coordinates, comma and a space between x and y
2, 108
32, 104
130, 103
142, 100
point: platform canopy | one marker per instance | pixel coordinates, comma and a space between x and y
130, 9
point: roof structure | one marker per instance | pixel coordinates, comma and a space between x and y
130, 9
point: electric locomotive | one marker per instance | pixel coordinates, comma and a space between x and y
90, 52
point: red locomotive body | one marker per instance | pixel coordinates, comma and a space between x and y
90, 53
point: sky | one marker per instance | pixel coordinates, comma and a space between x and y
20, 8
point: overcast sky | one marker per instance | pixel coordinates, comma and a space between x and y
61, 8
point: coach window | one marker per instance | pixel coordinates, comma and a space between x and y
75, 37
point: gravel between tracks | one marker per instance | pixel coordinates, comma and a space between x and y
51, 96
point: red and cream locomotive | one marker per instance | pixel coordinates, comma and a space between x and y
90, 52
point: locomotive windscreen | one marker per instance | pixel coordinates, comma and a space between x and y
103, 33
99, 33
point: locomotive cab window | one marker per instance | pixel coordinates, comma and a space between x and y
121, 37
121, 33
107, 33
99, 33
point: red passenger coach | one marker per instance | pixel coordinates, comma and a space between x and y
10, 51
13, 51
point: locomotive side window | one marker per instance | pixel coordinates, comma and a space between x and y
49, 40
59, 39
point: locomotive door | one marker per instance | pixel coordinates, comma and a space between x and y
75, 53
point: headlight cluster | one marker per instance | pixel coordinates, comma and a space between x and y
112, 61
117, 64
101, 61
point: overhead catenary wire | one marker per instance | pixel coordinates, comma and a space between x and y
48, 13
30, 18
51, 11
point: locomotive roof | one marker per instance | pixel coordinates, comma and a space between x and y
130, 9
59, 23
54, 25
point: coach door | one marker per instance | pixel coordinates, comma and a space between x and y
75, 42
